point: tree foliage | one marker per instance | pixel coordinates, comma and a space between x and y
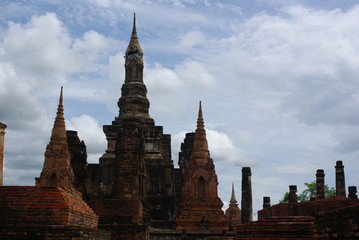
310, 191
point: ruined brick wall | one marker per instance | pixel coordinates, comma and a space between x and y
277, 228
123, 217
337, 224
306, 208
44, 206
118, 211
78, 160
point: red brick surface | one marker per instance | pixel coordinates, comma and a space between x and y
44, 206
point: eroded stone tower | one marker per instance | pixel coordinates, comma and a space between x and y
2, 134
57, 170
200, 206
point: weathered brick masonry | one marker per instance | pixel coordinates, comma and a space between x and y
44, 206
46, 213
337, 224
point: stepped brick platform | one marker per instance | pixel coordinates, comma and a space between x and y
277, 228
123, 217
28, 212
306, 208
44, 206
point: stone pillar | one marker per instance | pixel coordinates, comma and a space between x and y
352, 192
320, 184
340, 179
2, 133
246, 204
266, 202
292, 197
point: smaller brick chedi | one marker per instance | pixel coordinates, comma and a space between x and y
200, 206
52, 209
233, 212
57, 170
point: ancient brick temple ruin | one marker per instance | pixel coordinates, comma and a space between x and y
52, 209
57, 170
135, 192
320, 218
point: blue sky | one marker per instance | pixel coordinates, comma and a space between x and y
278, 81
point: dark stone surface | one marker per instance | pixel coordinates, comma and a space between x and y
246, 204
292, 197
78, 160
340, 179
320, 184
266, 202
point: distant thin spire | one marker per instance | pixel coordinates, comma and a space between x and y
233, 196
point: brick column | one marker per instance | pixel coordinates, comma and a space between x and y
292, 198
246, 204
2, 134
352, 192
266, 202
320, 184
340, 179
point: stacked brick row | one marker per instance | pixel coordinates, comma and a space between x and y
118, 211
338, 224
277, 228
48, 206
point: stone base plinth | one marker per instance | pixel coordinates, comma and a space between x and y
118, 211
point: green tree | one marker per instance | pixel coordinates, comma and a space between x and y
310, 191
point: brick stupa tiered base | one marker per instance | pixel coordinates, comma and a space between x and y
28, 212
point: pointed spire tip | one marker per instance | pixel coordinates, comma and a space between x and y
200, 115
134, 23
61, 97
233, 196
